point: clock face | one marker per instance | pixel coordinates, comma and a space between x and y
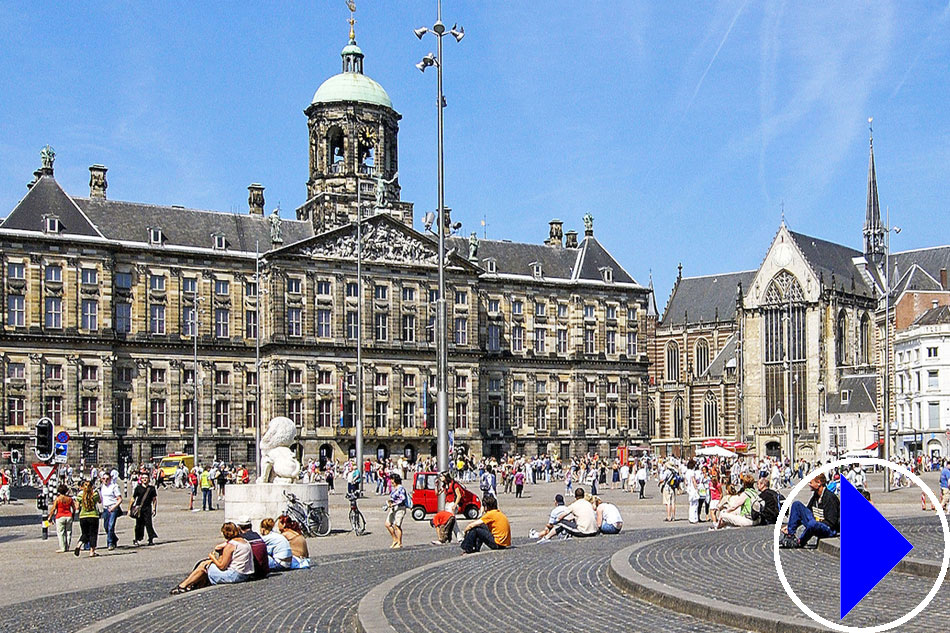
783, 255
368, 135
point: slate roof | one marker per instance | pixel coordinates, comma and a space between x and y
46, 197
827, 259
861, 397
722, 360
518, 258
915, 279
931, 260
705, 299
130, 221
934, 316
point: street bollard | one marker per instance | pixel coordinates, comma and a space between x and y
45, 529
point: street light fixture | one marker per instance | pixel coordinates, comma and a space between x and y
887, 343
442, 423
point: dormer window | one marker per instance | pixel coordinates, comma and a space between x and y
845, 396
51, 224
219, 243
155, 236
607, 273
490, 265
536, 270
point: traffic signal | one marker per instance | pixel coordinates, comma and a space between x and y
14, 456
44, 439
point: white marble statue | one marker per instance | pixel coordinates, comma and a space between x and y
278, 462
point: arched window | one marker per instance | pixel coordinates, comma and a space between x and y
678, 416
784, 316
864, 341
702, 356
651, 420
672, 362
841, 339
710, 415
335, 149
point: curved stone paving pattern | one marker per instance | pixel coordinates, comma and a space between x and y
532, 588
926, 535
736, 566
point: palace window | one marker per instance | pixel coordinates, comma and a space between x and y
89, 412
324, 413
494, 337
541, 418
222, 414
494, 416
517, 306
539, 308
54, 274
53, 372
494, 305
156, 283
382, 414
250, 324
90, 315
250, 414
189, 286
16, 411
293, 285
222, 377
631, 343
294, 376
562, 341
610, 342
381, 293
461, 415
324, 377
352, 325
54, 313
187, 414
222, 287
409, 328
562, 418
589, 347
352, 289
381, 322
158, 415
16, 310
517, 339
611, 417
611, 313
123, 317
123, 412
323, 323
540, 334
590, 417
408, 293
157, 318
89, 276
222, 323
517, 416
461, 297
158, 374
89, 372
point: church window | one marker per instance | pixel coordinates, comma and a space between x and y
710, 416
785, 361
672, 362
702, 356
678, 417
864, 341
841, 337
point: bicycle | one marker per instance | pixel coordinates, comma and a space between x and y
357, 521
313, 520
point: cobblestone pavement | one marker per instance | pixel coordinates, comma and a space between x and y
925, 534
531, 588
745, 556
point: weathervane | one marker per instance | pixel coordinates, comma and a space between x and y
351, 5
871, 128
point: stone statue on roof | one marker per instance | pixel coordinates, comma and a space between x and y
588, 223
382, 188
275, 232
473, 246
47, 155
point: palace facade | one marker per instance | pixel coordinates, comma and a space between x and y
106, 302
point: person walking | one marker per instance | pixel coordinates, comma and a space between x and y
519, 483
111, 497
62, 515
143, 508
641, 478
396, 506
207, 485
88, 503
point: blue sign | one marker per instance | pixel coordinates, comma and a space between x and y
62, 437
870, 547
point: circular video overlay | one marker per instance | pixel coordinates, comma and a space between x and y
827, 469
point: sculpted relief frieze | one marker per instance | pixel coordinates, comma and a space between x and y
380, 243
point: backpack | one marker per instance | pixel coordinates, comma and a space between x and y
407, 500
259, 554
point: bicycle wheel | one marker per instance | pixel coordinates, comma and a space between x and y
357, 522
321, 522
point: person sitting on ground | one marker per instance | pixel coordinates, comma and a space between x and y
229, 562
766, 509
585, 517
289, 529
559, 509
608, 517
820, 518
738, 509
492, 529
258, 547
444, 524
279, 554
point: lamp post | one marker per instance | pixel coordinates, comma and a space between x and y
194, 336
257, 356
442, 414
887, 344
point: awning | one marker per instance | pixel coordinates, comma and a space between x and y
872, 447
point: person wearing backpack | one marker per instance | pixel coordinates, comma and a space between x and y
486, 482
668, 486
397, 505
766, 509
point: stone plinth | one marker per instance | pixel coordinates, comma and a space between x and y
259, 501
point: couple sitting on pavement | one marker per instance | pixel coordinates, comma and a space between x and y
286, 546
756, 504
591, 516
245, 555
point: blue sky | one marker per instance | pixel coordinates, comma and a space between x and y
683, 127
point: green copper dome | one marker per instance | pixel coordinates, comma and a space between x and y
352, 87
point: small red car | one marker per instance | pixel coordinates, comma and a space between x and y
425, 499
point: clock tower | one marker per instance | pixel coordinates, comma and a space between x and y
353, 148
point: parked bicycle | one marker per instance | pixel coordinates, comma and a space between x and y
313, 520
357, 521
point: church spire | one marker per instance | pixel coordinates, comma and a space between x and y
352, 55
873, 229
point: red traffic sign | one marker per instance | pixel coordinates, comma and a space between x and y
44, 472
62, 437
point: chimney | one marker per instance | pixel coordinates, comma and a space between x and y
570, 239
943, 279
255, 199
556, 233
36, 176
97, 181
934, 303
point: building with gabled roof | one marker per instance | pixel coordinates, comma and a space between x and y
105, 302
